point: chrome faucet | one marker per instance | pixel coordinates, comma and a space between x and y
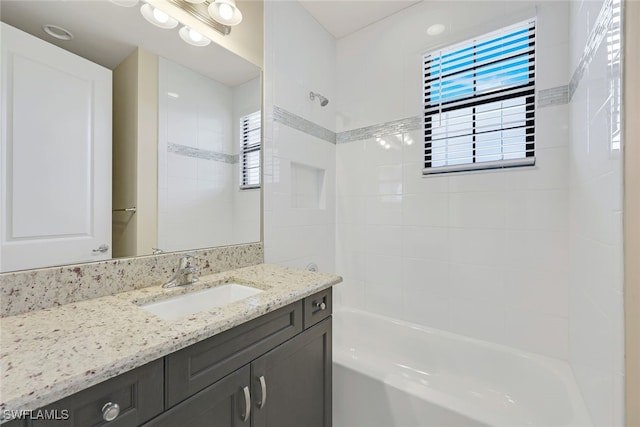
185, 274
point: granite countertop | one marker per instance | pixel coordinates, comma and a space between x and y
49, 354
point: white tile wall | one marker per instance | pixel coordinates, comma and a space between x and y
484, 254
299, 210
529, 257
247, 99
596, 345
195, 194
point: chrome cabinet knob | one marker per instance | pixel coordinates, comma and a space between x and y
321, 305
101, 249
110, 411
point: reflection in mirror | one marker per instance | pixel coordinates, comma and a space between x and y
122, 139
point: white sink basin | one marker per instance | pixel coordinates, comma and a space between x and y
194, 302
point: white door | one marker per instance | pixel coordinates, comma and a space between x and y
55, 159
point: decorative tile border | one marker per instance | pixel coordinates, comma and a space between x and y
375, 131
30, 290
198, 153
554, 96
546, 98
597, 35
296, 122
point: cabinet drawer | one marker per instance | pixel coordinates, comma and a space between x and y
313, 307
138, 393
196, 367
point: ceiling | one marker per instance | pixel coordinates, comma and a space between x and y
106, 34
343, 17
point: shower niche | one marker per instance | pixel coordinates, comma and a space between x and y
308, 187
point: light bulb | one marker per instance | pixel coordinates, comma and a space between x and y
160, 15
195, 36
226, 11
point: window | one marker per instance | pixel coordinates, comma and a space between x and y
250, 142
480, 102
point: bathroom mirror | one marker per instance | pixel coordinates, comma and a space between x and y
182, 123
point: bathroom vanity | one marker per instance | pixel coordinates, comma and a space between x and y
261, 361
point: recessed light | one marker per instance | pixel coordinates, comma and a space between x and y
193, 37
157, 17
436, 29
58, 32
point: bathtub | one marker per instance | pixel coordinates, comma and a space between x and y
389, 373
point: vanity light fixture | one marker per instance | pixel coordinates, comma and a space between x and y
225, 12
157, 17
194, 38
125, 3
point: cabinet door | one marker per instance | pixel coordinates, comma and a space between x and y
222, 404
296, 379
55, 155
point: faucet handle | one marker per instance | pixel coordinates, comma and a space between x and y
185, 261
188, 258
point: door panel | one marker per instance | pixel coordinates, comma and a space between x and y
55, 157
297, 381
222, 404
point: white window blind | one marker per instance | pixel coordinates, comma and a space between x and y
480, 102
250, 143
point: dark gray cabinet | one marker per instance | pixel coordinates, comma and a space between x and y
274, 371
193, 368
295, 377
138, 394
227, 403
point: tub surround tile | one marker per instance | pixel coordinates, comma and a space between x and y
199, 153
545, 98
554, 96
30, 290
393, 127
601, 27
294, 121
49, 354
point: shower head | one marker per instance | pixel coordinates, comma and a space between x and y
323, 101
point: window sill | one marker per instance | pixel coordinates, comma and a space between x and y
249, 187
503, 164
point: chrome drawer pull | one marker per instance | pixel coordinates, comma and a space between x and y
247, 404
110, 411
263, 389
320, 305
